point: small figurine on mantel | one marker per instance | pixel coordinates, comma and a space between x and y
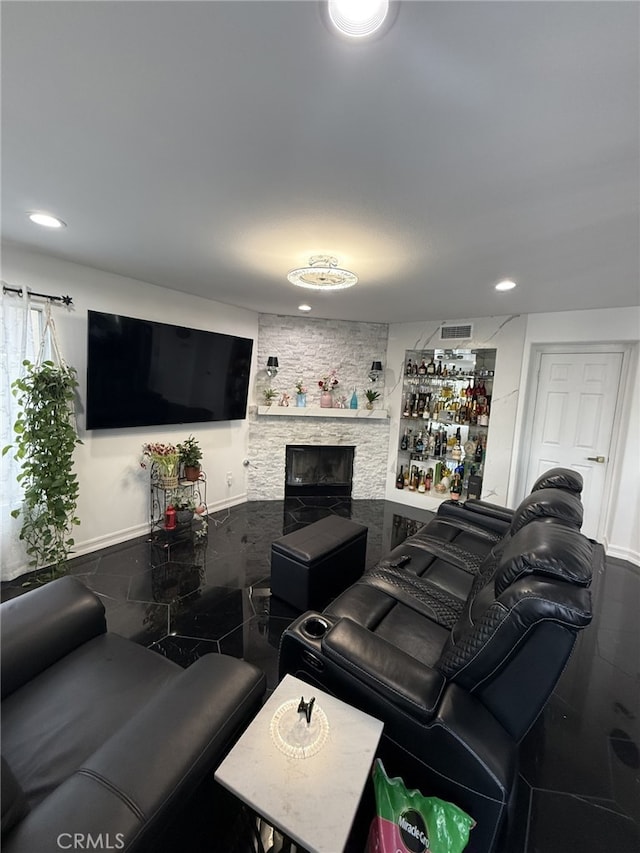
341, 403
284, 400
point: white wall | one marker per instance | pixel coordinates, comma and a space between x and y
113, 497
612, 325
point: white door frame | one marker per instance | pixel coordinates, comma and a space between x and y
620, 419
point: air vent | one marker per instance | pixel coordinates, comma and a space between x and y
456, 333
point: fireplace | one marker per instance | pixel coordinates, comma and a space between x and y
318, 470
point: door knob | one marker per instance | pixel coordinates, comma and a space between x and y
596, 459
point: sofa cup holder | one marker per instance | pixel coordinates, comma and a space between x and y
315, 627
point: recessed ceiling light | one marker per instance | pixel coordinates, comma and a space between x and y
304, 307
357, 18
47, 220
507, 284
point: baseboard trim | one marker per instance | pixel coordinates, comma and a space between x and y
623, 554
120, 536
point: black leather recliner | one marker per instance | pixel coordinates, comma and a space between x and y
104, 740
457, 659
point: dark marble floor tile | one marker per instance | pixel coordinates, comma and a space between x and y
184, 650
561, 823
210, 612
257, 641
142, 621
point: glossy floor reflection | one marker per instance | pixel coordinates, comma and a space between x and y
580, 764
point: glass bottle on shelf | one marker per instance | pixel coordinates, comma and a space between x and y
404, 442
431, 367
400, 479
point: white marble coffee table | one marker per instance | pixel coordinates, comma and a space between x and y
312, 793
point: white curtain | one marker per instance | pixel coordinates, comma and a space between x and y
21, 336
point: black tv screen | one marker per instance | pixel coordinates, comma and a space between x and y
143, 373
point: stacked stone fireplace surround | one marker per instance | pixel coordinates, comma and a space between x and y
308, 348
269, 437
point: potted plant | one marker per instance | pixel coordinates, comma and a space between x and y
184, 504
45, 440
190, 457
269, 394
371, 396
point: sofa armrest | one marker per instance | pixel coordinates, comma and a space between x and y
128, 790
392, 673
502, 513
495, 518
44, 625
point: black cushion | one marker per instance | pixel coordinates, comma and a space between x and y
545, 549
559, 478
14, 803
319, 540
548, 505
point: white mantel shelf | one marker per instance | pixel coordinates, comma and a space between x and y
317, 412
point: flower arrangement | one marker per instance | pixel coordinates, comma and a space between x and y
328, 383
301, 388
164, 456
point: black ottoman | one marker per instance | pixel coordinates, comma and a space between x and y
311, 566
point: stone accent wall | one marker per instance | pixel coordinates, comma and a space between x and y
310, 348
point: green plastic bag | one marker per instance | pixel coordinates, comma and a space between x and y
407, 822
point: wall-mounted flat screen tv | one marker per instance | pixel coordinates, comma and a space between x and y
143, 373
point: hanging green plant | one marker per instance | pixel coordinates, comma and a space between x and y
45, 440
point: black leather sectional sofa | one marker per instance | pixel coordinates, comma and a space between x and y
104, 742
456, 640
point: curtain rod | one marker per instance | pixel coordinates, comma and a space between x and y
66, 300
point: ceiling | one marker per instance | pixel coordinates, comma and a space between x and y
210, 147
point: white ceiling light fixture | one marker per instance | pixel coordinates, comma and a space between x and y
304, 307
357, 18
507, 284
323, 273
46, 220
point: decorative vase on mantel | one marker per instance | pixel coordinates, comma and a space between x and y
301, 400
326, 400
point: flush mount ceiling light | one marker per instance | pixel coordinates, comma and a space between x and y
507, 284
304, 307
46, 220
357, 18
323, 273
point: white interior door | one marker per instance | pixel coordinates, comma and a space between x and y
573, 418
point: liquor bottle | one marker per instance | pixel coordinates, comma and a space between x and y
428, 480
431, 367
427, 406
445, 371
406, 477
468, 391
439, 369
404, 441
479, 452
419, 443
455, 489
412, 485
421, 405
436, 444
415, 479
414, 371
456, 453
400, 479
414, 407
422, 369
407, 407
421, 482
409, 368
431, 442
